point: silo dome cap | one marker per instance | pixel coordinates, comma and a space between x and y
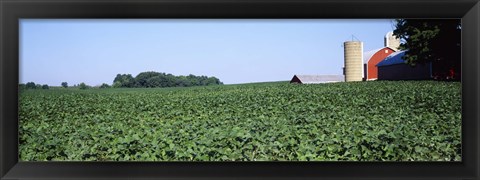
389, 33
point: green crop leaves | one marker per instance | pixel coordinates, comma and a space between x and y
367, 121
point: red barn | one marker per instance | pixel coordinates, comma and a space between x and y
371, 59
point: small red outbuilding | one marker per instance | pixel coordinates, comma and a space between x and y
371, 59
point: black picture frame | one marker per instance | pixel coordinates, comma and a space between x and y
13, 10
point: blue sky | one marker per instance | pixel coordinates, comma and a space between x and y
235, 51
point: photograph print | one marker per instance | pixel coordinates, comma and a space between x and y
169, 90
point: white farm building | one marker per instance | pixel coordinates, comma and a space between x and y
316, 79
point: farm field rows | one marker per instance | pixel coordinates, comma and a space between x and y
359, 121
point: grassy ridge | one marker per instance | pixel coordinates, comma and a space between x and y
365, 121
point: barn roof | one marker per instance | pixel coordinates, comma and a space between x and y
367, 55
313, 79
394, 58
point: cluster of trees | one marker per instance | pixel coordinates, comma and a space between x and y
32, 85
148, 79
432, 40
104, 85
157, 79
85, 86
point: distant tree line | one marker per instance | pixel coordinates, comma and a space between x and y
148, 79
153, 79
32, 85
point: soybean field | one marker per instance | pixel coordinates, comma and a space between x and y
355, 121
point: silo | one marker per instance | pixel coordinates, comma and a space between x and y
353, 60
391, 41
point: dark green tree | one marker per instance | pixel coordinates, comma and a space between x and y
83, 86
31, 85
64, 84
45, 86
141, 79
181, 81
104, 85
212, 81
169, 80
431, 40
155, 81
124, 80
22, 86
193, 80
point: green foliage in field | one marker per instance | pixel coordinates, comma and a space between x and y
362, 121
